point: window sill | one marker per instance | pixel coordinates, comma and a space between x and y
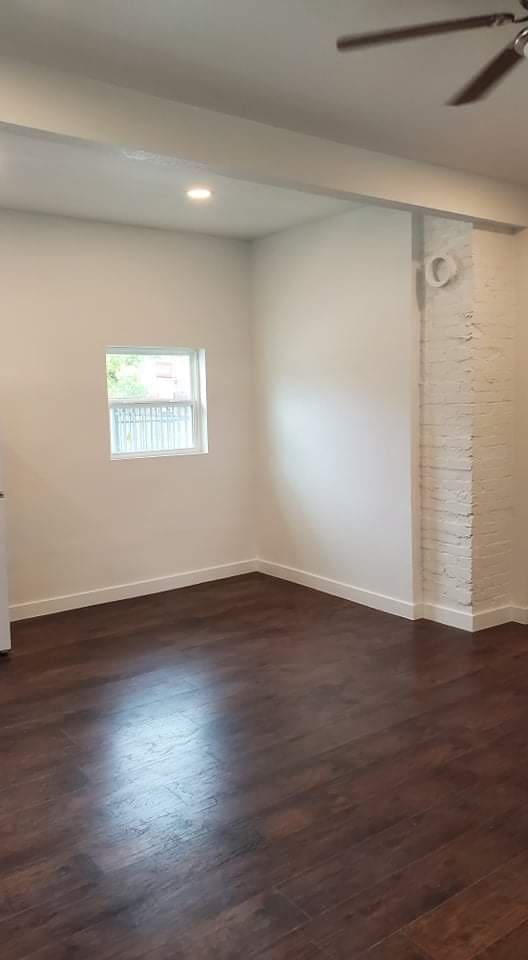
158, 455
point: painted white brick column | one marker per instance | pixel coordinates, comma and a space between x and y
493, 417
466, 439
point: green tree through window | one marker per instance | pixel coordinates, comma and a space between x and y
123, 377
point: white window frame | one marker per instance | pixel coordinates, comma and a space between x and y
198, 402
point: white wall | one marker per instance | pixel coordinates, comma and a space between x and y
336, 354
77, 520
335, 363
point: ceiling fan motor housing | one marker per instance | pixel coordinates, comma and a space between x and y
521, 43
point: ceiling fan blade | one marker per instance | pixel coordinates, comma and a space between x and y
488, 78
355, 41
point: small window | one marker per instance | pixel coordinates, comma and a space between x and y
156, 401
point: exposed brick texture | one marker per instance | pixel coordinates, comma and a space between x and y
467, 419
494, 318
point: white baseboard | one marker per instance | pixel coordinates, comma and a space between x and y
124, 591
495, 617
449, 616
469, 621
519, 615
346, 591
452, 617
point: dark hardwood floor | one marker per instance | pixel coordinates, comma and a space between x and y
250, 769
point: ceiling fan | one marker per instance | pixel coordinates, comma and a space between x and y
483, 82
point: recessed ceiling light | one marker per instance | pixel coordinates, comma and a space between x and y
199, 193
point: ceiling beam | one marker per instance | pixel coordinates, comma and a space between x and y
67, 105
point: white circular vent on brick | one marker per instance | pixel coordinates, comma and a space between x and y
440, 270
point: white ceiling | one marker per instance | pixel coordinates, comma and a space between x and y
78, 179
275, 61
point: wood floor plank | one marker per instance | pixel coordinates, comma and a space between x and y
397, 947
361, 866
468, 923
252, 769
514, 946
157, 928
51, 786
294, 946
61, 877
27, 753
376, 913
